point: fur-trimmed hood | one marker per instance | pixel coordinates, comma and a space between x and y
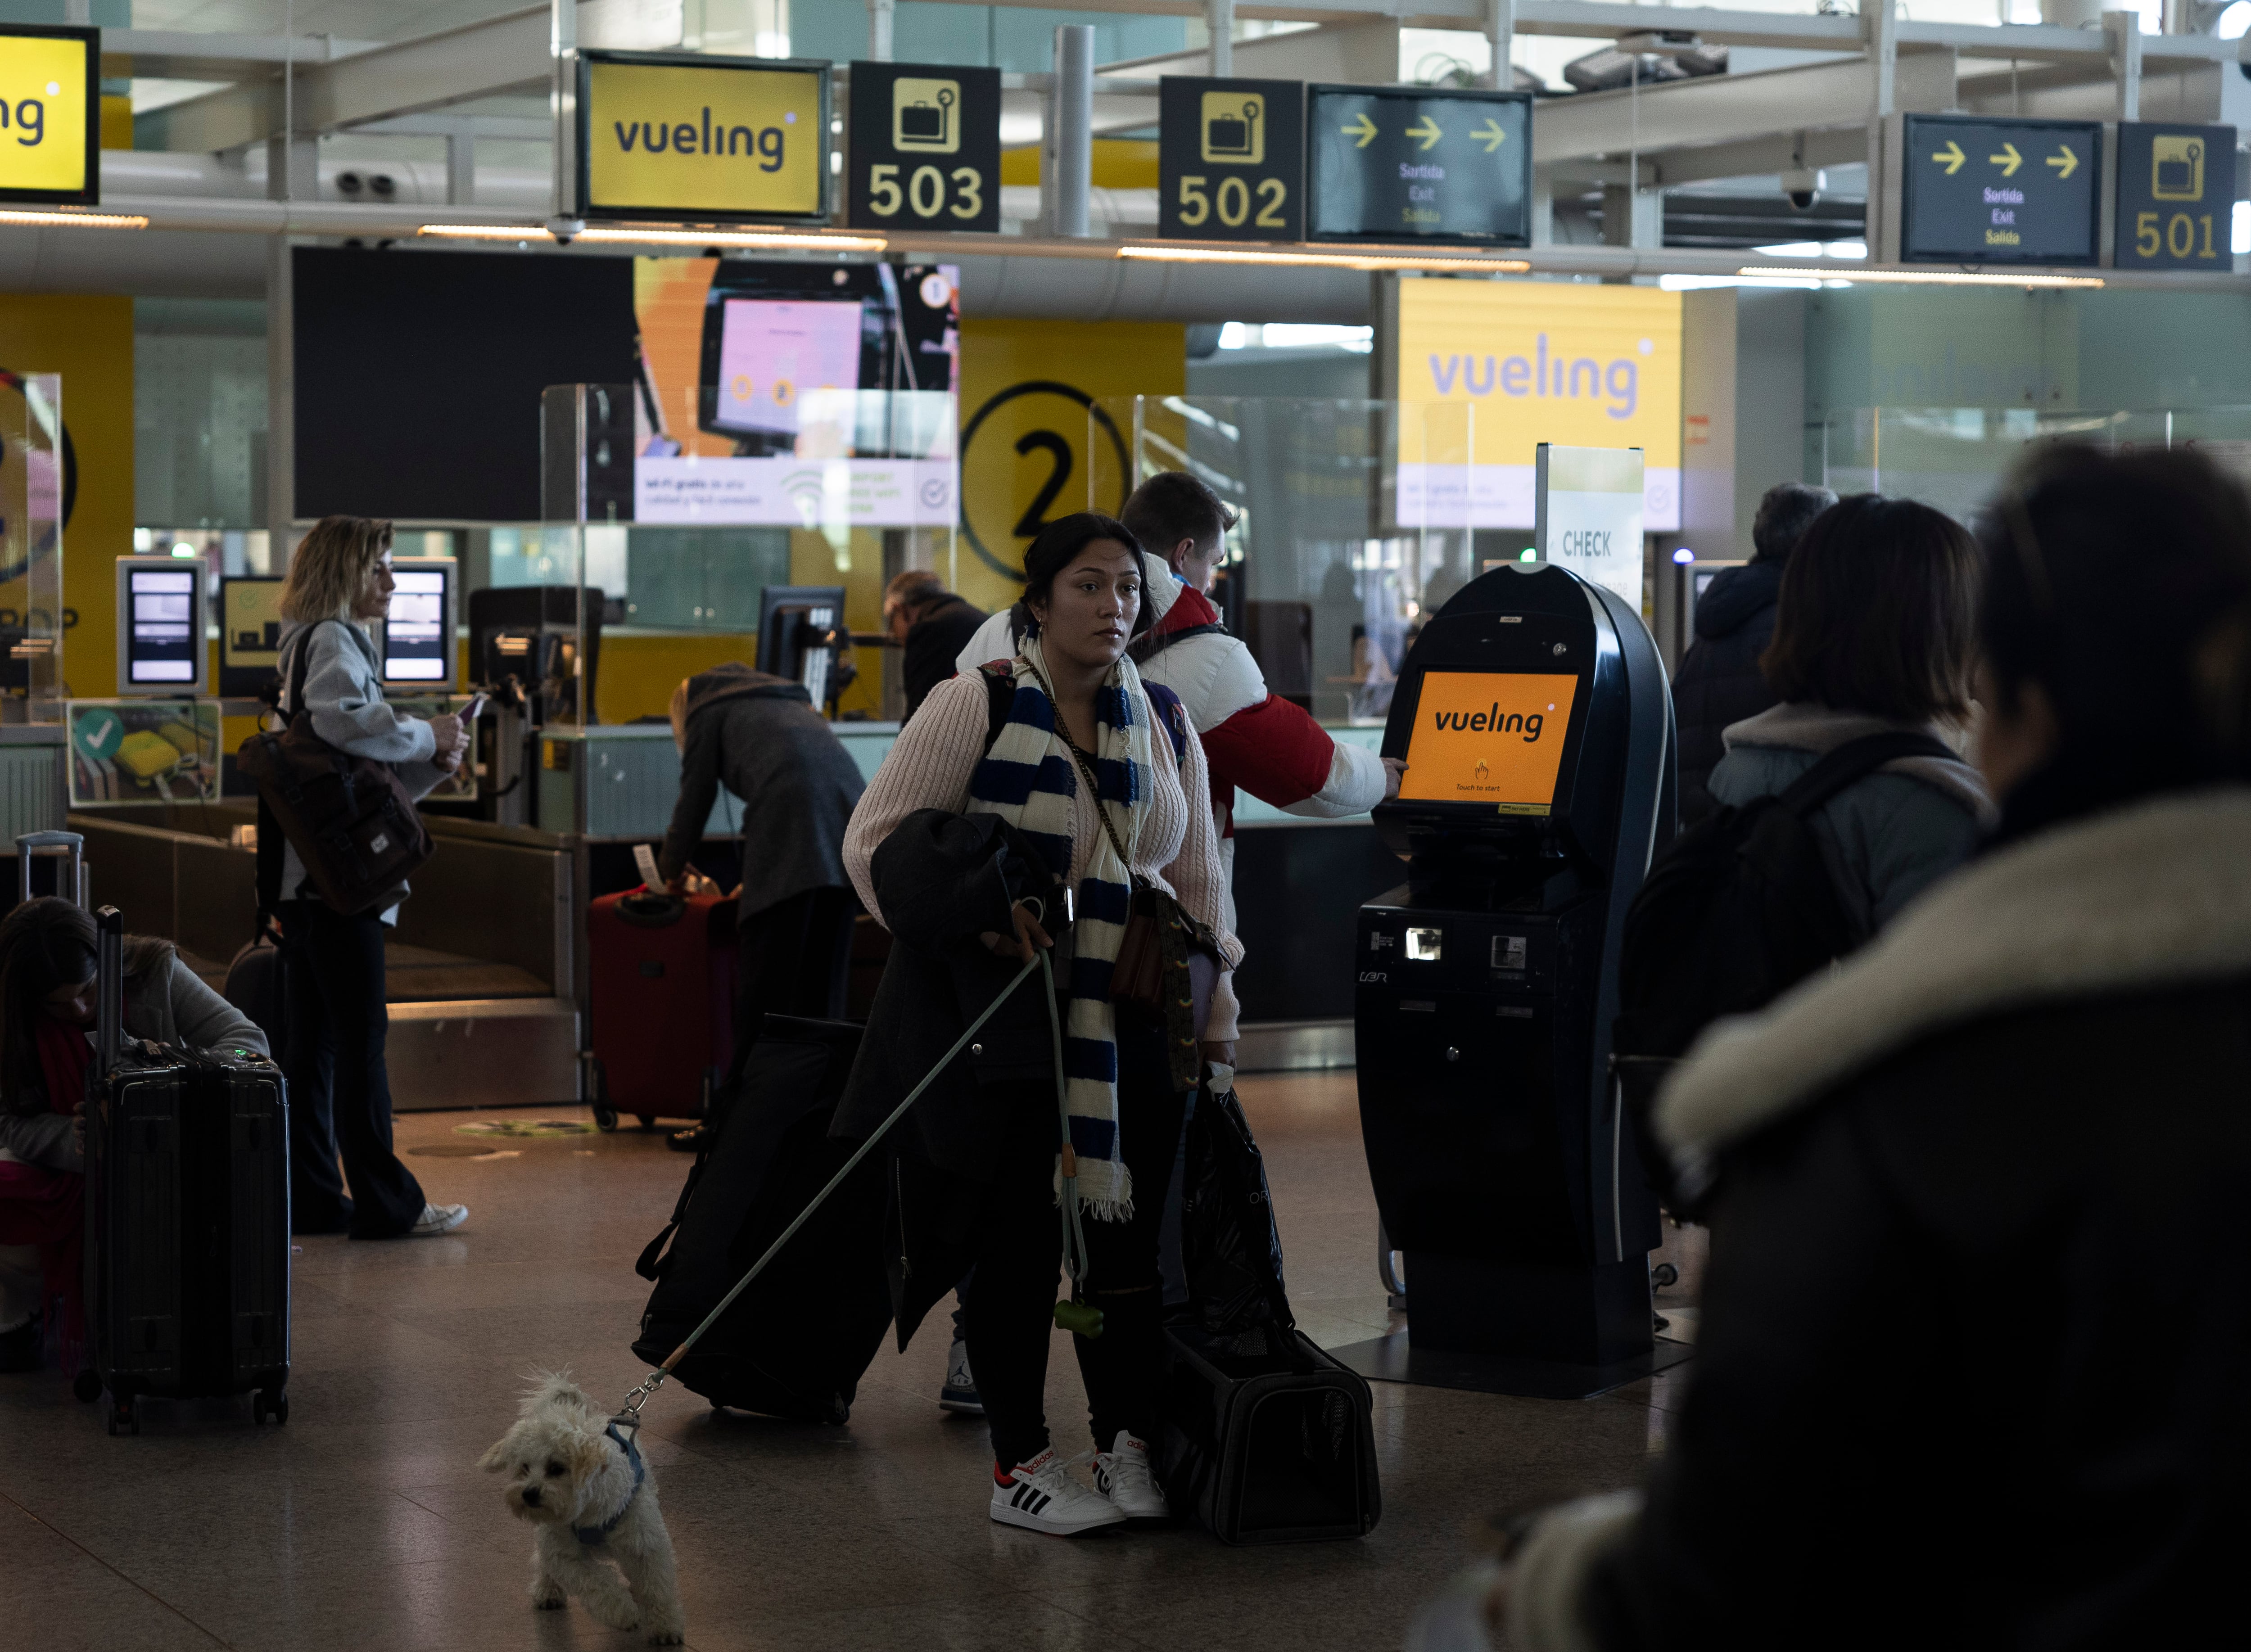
2155, 894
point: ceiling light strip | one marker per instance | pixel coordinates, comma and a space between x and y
1370, 260
76, 220
1930, 278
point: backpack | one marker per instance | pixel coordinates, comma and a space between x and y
1740, 908
350, 819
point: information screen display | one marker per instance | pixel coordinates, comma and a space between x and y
1418, 164
417, 646
163, 634
772, 352
665, 135
1489, 738
2000, 191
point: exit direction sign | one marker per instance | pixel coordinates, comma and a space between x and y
926, 149
1230, 159
1416, 164
2000, 191
2176, 196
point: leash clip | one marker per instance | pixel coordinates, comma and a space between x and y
629, 1412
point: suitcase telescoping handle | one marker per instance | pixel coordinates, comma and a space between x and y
109, 989
56, 843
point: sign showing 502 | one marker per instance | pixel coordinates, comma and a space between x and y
925, 149
1230, 159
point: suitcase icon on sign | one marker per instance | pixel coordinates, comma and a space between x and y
922, 116
2176, 167
1234, 128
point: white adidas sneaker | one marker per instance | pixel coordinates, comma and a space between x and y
1040, 1495
1122, 1475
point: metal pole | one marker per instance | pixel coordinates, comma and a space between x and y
1500, 32
1070, 147
281, 402
1219, 22
2125, 31
879, 31
562, 47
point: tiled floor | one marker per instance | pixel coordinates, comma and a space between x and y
365, 1524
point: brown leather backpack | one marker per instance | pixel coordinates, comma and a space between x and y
350, 819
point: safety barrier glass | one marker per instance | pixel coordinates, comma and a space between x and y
37, 484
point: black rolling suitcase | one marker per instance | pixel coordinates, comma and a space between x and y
1265, 1438
187, 1233
797, 1342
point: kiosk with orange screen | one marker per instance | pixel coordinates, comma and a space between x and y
1493, 737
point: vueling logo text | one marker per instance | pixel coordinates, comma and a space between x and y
766, 146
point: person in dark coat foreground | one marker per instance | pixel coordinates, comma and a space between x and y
931, 624
796, 785
1970, 1365
1720, 682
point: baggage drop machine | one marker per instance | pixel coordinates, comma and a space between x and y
1536, 724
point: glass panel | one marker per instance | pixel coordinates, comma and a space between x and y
144, 751
1352, 522
34, 485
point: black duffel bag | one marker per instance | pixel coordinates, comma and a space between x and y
1265, 1438
350, 819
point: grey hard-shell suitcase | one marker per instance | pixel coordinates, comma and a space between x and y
187, 1233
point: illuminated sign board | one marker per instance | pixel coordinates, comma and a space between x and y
1539, 361
1418, 163
695, 137
50, 115
1989, 190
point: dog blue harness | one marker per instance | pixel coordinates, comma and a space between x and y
592, 1536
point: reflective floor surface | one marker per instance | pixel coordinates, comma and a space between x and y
364, 1525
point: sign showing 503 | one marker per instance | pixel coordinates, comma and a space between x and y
1230, 159
926, 149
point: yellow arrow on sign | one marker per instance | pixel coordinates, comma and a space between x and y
2064, 164
1362, 127
1427, 129
1490, 136
1950, 157
2008, 160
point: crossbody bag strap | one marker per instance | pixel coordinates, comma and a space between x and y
1852, 761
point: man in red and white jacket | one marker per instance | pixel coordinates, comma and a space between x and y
1266, 745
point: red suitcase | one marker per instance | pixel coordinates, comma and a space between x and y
664, 1003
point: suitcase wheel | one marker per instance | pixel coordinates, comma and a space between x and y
87, 1385
606, 1119
274, 1404
123, 1417
647, 1121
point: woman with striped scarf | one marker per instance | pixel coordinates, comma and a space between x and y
1104, 777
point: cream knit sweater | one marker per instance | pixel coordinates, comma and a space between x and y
1176, 848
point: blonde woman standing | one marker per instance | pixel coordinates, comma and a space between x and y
335, 1016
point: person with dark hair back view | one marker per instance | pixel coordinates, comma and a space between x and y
1872, 634
1720, 682
2005, 1150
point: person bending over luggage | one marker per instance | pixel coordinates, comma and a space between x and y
46, 1018
2012, 1133
1871, 632
335, 1016
965, 795
1720, 682
931, 625
797, 783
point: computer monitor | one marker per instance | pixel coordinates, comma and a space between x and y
160, 626
797, 628
1489, 738
417, 631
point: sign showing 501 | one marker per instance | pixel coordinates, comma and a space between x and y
1230, 159
925, 149
2176, 196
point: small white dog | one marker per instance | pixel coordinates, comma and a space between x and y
580, 1480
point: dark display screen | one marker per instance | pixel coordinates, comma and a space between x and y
1418, 165
2000, 191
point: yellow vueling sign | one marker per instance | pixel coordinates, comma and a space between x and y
49, 115
668, 137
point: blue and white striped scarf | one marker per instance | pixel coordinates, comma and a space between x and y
1028, 779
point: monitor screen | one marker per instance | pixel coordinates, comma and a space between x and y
774, 352
416, 644
164, 627
1489, 738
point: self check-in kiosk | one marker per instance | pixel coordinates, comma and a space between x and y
1535, 722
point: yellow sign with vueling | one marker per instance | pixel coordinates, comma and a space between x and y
50, 115
665, 135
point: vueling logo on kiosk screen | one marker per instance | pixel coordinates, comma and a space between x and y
737, 140
1489, 738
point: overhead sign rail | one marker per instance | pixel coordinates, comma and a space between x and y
1982, 191
1418, 163
50, 115
693, 137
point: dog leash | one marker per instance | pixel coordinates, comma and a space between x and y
628, 1414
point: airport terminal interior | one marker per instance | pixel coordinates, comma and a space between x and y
568, 572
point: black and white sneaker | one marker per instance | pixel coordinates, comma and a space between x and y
1040, 1495
960, 1392
1122, 1475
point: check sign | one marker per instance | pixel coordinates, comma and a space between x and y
2000, 191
